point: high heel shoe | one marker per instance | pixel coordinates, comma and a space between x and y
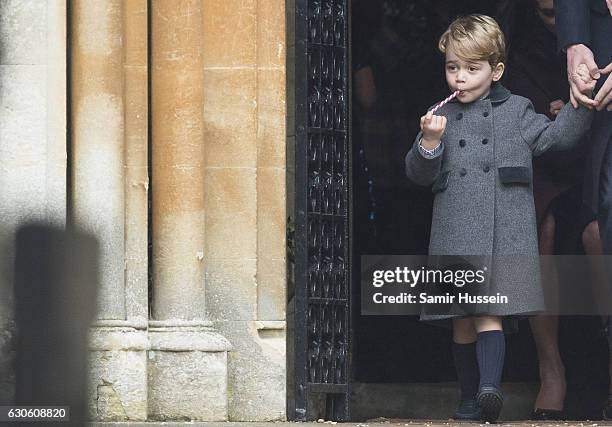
540, 414
607, 412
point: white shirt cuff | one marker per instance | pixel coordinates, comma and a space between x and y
430, 154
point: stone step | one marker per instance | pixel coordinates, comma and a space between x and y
433, 401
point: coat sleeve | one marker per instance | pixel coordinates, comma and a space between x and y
420, 169
573, 22
563, 133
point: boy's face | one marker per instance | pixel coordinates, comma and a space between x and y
472, 78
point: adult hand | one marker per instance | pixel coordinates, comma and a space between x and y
604, 96
580, 54
609, 3
556, 106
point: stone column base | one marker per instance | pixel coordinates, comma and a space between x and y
187, 371
118, 372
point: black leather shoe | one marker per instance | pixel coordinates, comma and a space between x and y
490, 400
540, 414
607, 412
468, 410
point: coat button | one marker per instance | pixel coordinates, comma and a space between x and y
486, 114
462, 172
462, 143
459, 116
486, 169
485, 141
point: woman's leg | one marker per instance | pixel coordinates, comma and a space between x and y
593, 247
552, 372
545, 334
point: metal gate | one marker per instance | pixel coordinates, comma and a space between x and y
322, 283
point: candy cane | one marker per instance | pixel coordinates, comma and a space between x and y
441, 104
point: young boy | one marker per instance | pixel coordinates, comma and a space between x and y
477, 151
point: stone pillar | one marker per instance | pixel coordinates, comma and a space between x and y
177, 157
97, 193
244, 115
187, 360
136, 173
271, 218
32, 141
108, 107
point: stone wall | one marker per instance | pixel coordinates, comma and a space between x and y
182, 104
32, 139
244, 124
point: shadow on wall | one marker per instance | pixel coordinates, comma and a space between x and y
55, 283
7, 325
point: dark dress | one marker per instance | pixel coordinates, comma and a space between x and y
537, 71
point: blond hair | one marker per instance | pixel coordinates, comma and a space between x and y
475, 38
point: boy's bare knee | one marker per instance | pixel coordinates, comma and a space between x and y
487, 323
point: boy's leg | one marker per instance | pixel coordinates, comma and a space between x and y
490, 352
466, 365
490, 349
464, 354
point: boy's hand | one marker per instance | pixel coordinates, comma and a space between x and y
583, 74
556, 106
432, 127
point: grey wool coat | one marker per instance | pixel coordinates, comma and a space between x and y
483, 203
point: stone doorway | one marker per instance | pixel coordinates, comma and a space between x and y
397, 367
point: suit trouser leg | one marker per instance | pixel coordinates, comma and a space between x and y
604, 215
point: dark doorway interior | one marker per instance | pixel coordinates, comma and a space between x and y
397, 74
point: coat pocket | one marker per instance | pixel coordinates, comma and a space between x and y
441, 182
514, 174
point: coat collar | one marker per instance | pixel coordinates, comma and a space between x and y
497, 94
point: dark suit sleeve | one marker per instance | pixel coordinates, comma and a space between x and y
573, 22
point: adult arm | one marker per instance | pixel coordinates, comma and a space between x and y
573, 24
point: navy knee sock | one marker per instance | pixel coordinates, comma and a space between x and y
490, 351
467, 369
